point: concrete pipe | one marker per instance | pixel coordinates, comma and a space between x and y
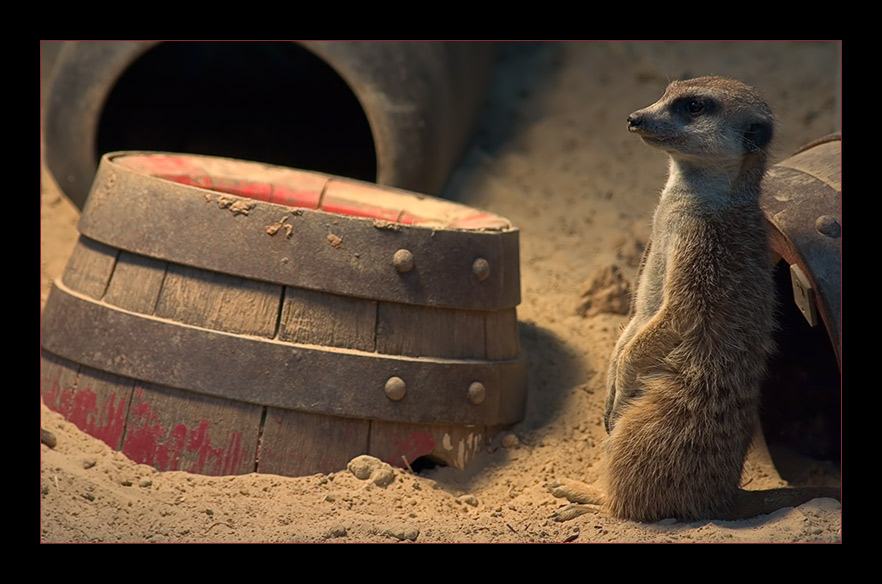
396, 113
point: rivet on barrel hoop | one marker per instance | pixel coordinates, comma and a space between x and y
828, 225
481, 268
403, 260
477, 393
395, 388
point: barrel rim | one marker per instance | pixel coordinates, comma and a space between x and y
459, 267
458, 217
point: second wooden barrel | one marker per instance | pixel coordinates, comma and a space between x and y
219, 316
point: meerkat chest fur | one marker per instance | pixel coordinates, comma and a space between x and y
685, 374
709, 266
703, 215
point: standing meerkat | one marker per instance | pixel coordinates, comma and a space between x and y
684, 377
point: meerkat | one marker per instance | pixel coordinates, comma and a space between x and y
684, 377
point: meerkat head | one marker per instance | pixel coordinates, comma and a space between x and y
707, 118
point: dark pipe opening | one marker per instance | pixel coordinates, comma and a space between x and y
272, 102
426, 463
801, 396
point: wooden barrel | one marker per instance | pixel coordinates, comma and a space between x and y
802, 394
802, 201
219, 316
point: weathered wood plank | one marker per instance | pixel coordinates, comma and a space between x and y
177, 430
297, 443
420, 331
219, 301
136, 283
89, 268
502, 334
319, 318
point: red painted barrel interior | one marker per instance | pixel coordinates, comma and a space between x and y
293, 189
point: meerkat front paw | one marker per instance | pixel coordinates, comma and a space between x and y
583, 498
622, 390
612, 391
625, 376
608, 409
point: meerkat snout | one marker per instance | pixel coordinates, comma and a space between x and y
708, 117
634, 121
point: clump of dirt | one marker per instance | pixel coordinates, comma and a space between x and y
606, 290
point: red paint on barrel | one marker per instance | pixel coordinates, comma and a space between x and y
212, 460
143, 436
103, 417
412, 446
149, 442
289, 197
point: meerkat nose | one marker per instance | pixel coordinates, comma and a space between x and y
635, 120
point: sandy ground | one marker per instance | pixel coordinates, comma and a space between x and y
551, 153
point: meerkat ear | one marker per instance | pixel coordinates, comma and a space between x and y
757, 136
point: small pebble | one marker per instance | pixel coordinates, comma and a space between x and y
403, 533
47, 438
510, 441
363, 466
383, 476
337, 531
366, 467
335, 240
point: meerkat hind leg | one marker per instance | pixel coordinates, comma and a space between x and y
572, 511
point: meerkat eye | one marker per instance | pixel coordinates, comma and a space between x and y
694, 106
